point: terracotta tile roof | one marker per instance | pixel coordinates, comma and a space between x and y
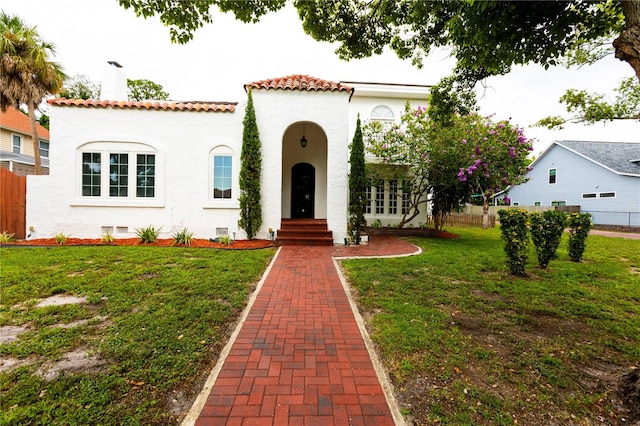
299, 82
164, 105
13, 119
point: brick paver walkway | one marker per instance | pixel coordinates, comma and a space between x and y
299, 358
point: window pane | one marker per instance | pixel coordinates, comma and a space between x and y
607, 194
145, 175
552, 175
406, 197
91, 171
118, 175
367, 208
380, 197
16, 142
222, 176
44, 149
393, 197
589, 195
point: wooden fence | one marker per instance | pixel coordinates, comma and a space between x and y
13, 203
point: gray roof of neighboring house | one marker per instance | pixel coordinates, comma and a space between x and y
621, 157
22, 158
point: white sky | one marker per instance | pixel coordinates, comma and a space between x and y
227, 54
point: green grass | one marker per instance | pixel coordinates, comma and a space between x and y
466, 343
157, 315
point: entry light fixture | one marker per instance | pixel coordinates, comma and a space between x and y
303, 140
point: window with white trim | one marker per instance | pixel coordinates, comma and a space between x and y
118, 173
558, 203
367, 208
589, 195
222, 176
393, 197
607, 195
16, 144
44, 149
222, 188
552, 176
380, 197
406, 197
383, 114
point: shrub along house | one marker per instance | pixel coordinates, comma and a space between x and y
120, 166
603, 178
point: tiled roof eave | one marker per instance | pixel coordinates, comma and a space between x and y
299, 82
147, 105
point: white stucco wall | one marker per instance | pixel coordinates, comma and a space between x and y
183, 142
276, 111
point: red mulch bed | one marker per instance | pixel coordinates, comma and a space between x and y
202, 243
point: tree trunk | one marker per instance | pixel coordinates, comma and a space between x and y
627, 45
485, 213
35, 138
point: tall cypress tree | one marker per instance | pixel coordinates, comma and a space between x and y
250, 171
357, 186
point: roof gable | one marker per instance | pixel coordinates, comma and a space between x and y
15, 120
619, 157
299, 82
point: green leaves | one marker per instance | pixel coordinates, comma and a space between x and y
250, 171
593, 107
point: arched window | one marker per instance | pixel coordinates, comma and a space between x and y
382, 113
223, 174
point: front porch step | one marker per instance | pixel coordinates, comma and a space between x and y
304, 232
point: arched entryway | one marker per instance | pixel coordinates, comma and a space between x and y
303, 187
304, 172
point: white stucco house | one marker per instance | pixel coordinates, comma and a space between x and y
119, 166
603, 178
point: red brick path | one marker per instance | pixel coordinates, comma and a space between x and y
299, 357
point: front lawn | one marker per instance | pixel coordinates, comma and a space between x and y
466, 343
136, 351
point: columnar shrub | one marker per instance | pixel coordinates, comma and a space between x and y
357, 186
513, 227
546, 232
579, 226
250, 172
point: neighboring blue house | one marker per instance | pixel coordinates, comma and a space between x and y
603, 178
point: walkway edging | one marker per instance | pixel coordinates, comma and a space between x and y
383, 378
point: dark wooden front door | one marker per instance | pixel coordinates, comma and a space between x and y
303, 185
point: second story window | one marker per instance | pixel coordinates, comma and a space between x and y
552, 176
16, 144
44, 149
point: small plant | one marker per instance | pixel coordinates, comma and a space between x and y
546, 231
148, 235
376, 224
579, 226
225, 240
107, 238
513, 227
183, 237
61, 237
6, 237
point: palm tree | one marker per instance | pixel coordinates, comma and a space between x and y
27, 75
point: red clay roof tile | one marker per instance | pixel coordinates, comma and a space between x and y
16, 120
299, 82
164, 105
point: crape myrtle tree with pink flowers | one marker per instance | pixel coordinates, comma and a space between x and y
491, 156
452, 160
